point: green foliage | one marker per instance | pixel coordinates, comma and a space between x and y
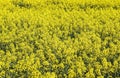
59, 39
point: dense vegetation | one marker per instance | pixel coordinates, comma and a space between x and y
59, 38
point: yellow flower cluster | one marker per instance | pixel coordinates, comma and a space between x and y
59, 38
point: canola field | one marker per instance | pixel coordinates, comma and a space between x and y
59, 38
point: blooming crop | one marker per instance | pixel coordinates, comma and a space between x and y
59, 38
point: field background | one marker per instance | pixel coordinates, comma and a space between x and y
59, 38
